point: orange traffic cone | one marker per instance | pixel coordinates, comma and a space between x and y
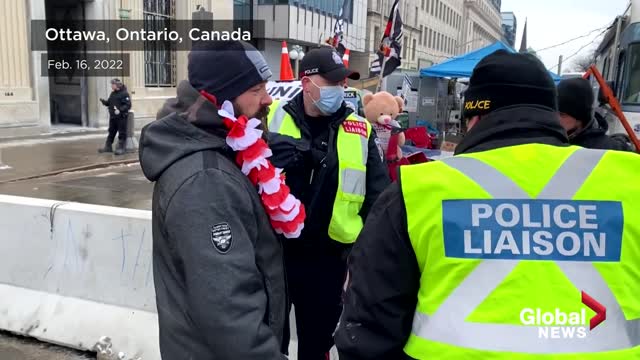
286, 73
345, 57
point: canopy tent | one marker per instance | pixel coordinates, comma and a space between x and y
462, 66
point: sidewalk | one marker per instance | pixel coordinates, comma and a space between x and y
33, 157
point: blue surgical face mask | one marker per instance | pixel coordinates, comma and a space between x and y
331, 98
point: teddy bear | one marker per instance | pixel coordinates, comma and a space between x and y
381, 109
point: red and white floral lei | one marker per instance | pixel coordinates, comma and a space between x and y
286, 213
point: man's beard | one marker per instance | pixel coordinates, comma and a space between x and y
261, 115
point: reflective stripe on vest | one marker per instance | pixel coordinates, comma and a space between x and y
353, 151
276, 120
447, 325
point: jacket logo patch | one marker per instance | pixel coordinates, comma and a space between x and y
221, 237
355, 127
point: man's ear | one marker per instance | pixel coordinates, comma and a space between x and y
304, 82
471, 122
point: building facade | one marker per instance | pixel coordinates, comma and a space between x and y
509, 28
32, 103
483, 25
436, 30
309, 23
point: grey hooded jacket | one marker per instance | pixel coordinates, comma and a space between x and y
217, 265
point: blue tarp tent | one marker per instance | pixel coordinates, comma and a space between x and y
462, 66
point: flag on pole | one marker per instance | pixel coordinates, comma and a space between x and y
337, 41
390, 46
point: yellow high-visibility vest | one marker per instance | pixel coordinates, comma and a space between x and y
353, 151
521, 250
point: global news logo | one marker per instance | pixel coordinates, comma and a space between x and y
563, 325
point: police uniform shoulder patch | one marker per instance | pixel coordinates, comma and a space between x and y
221, 237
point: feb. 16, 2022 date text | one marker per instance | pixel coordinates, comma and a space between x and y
85, 64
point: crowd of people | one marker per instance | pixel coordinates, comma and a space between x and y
381, 270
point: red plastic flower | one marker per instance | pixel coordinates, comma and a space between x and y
275, 199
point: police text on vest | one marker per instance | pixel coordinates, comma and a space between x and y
559, 230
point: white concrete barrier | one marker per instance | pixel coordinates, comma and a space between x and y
73, 274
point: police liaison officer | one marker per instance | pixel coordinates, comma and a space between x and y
457, 256
118, 104
332, 165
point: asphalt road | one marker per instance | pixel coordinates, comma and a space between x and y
120, 186
19, 348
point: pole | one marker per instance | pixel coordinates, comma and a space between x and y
560, 65
383, 4
298, 64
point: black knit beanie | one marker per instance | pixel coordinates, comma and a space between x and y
575, 98
503, 79
226, 69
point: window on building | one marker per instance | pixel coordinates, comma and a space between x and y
159, 56
439, 42
436, 6
404, 51
421, 34
416, 18
422, 5
376, 37
430, 38
413, 51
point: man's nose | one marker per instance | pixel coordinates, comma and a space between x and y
267, 100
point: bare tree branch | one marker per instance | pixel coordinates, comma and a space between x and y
582, 62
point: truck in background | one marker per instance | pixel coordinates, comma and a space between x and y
618, 59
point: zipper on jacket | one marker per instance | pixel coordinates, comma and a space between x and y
313, 170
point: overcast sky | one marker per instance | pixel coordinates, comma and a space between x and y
576, 18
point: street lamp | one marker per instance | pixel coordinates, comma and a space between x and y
296, 54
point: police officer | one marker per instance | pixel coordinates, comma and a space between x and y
484, 255
584, 127
332, 165
119, 104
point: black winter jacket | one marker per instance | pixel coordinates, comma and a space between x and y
217, 264
118, 99
594, 136
384, 277
311, 167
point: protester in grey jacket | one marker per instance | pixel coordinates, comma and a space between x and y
217, 264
